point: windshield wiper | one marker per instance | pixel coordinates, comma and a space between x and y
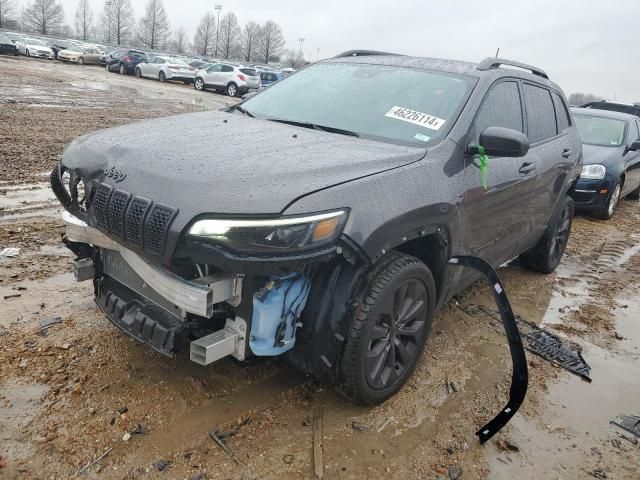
242, 110
315, 127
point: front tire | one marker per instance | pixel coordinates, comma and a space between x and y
389, 329
609, 208
232, 89
162, 77
547, 253
138, 73
27, 52
81, 61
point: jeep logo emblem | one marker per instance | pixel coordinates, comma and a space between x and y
117, 175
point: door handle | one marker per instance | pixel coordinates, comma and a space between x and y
526, 168
566, 153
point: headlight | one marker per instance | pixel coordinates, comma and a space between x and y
595, 171
285, 234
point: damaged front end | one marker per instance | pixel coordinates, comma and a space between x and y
227, 290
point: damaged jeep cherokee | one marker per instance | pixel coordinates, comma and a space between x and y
315, 220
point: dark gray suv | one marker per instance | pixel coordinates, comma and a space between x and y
315, 220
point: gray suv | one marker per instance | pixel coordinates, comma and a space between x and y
315, 220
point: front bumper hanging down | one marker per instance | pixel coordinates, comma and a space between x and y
520, 374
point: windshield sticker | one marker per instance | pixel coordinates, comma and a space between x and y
417, 118
424, 138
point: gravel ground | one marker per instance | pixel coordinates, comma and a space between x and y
82, 389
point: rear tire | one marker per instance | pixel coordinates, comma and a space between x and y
122, 69
232, 89
389, 329
27, 52
138, 73
162, 77
547, 253
606, 212
81, 61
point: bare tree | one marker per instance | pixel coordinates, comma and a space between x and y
229, 35
154, 29
204, 37
270, 41
7, 13
119, 20
294, 58
84, 20
180, 42
249, 41
43, 16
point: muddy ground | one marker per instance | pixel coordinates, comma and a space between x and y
81, 389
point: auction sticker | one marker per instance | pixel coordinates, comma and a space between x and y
417, 118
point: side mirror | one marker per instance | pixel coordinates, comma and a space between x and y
503, 142
635, 145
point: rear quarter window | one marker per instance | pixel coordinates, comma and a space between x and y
562, 113
249, 72
541, 117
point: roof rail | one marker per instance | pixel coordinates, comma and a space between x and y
363, 53
493, 62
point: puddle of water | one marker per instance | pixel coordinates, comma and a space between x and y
575, 418
18, 403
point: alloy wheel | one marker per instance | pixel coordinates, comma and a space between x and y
231, 90
394, 339
122, 70
613, 201
199, 84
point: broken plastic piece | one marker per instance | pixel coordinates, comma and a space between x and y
520, 374
543, 343
628, 423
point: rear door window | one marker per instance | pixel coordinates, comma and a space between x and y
501, 108
541, 117
227, 68
562, 113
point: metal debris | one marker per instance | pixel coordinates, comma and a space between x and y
106, 452
629, 424
214, 436
542, 343
47, 323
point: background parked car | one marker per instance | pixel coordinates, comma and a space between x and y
15, 37
232, 79
57, 46
88, 54
7, 46
632, 109
166, 68
124, 60
611, 147
104, 56
267, 78
33, 47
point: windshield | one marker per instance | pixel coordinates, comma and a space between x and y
396, 104
606, 132
35, 41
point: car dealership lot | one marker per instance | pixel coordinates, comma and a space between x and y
63, 393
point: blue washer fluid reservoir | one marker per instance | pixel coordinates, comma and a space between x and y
276, 310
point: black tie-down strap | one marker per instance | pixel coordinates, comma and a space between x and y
520, 374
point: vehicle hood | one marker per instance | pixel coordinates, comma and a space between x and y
219, 162
602, 155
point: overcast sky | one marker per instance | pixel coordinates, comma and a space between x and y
585, 46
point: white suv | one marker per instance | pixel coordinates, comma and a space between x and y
233, 79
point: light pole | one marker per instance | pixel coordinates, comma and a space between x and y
318, 55
218, 8
108, 4
301, 40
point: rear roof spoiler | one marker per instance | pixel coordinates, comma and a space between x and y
492, 62
364, 53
